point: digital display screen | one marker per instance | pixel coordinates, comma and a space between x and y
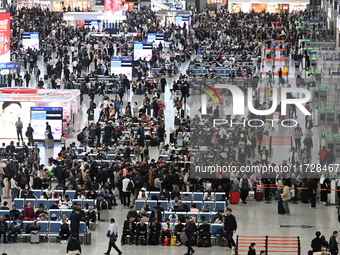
180, 20
142, 50
156, 38
41, 115
122, 66
30, 40
91, 23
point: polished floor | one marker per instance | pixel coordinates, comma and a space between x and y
254, 219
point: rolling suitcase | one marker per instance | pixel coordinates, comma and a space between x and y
234, 197
280, 208
104, 215
259, 195
34, 237
50, 143
87, 238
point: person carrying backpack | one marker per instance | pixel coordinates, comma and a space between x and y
139, 183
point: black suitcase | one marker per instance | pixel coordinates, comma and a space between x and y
182, 113
45, 77
177, 121
87, 238
280, 208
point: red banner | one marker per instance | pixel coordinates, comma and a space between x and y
5, 36
113, 5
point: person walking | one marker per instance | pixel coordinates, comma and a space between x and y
19, 125
230, 226
73, 246
190, 229
285, 198
333, 244
112, 233
297, 136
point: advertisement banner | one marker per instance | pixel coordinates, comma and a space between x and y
5, 34
223, 2
113, 5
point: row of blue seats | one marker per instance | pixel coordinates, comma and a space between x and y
71, 193
191, 195
209, 216
57, 212
108, 86
214, 205
47, 203
217, 71
49, 228
109, 157
333, 59
328, 49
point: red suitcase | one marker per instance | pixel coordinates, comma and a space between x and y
259, 195
234, 197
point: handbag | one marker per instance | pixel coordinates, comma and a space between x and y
113, 238
183, 237
108, 234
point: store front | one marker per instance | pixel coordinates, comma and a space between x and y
42, 4
274, 6
59, 6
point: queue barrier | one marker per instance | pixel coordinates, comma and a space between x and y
271, 244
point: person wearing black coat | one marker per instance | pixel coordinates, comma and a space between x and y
129, 228
333, 243
230, 226
73, 244
312, 187
204, 232
190, 230
252, 250
141, 230
155, 232
316, 242
155, 214
75, 222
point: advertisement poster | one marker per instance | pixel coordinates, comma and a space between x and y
113, 5
5, 33
10, 111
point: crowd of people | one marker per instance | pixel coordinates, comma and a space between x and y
129, 130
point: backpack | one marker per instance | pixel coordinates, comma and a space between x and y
80, 137
129, 186
138, 182
64, 229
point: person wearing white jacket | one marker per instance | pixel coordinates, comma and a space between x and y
127, 188
293, 157
14, 188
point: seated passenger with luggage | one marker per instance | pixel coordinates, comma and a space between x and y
155, 232
204, 234
141, 233
129, 230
